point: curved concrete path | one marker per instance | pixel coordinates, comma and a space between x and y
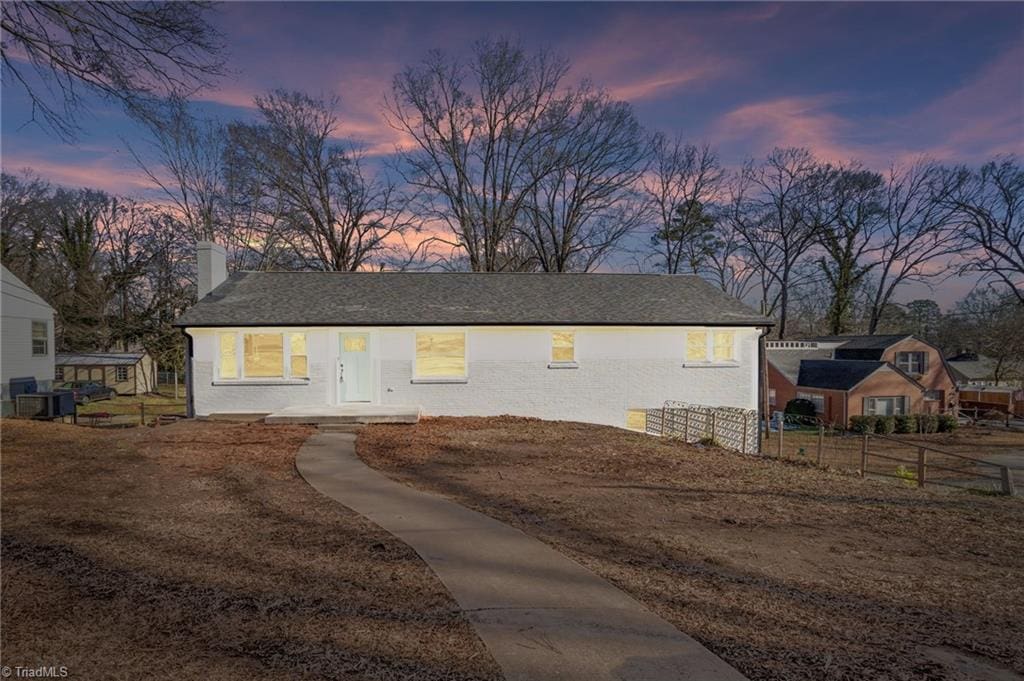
542, 615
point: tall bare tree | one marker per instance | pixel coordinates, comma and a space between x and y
769, 210
129, 52
582, 202
188, 154
917, 231
847, 213
476, 128
682, 184
338, 216
24, 203
989, 207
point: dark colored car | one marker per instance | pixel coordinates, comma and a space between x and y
88, 391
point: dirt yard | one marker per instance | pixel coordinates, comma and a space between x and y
786, 571
194, 551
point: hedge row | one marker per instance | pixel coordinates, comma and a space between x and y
906, 423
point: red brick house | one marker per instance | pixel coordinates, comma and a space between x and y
848, 376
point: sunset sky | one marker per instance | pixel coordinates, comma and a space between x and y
878, 82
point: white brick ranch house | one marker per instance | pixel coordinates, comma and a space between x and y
584, 347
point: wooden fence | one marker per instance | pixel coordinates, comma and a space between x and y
726, 427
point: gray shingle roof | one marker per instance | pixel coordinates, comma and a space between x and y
835, 374
98, 358
465, 298
787, 360
862, 342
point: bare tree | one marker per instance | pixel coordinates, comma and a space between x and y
338, 217
188, 152
846, 212
684, 181
582, 201
727, 264
993, 321
769, 210
24, 202
476, 128
989, 207
917, 230
129, 52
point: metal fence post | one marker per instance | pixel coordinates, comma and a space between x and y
864, 456
782, 424
821, 442
921, 454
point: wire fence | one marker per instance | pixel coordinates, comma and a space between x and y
913, 459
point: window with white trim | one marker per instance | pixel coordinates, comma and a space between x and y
440, 354
40, 339
710, 347
913, 363
563, 346
816, 399
262, 355
885, 406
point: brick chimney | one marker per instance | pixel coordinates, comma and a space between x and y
213, 266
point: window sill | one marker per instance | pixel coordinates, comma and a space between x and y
563, 365
456, 380
709, 365
262, 381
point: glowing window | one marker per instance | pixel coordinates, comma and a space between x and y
228, 356
441, 354
636, 419
355, 343
298, 364
723, 346
263, 355
697, 346
563, 346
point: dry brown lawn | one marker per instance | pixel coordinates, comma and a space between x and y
785, 571
196, 551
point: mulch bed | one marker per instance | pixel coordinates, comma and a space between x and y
195, 550
785, 571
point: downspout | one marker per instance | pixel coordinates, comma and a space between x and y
190, 407
762, 390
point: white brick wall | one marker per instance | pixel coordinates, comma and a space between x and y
618, 368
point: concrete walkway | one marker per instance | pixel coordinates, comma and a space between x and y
541, 615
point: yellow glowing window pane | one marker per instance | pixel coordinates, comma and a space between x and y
636, 419
697, 346
355, 343
228, 356
299, 365
263, 355
723, 345
562, 346
440, 354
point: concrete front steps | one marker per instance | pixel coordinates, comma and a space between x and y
345, 415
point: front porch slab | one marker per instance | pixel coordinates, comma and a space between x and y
346, 413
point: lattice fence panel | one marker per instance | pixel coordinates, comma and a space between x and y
731, 428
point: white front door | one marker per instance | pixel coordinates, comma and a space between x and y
354, 382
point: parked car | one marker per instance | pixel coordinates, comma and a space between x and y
88, 391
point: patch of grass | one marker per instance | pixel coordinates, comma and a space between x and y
195, 551
787, 572
155, 403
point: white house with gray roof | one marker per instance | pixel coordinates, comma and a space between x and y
26, 337
585, 347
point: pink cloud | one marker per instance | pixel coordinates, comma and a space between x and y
788, 122
104, 173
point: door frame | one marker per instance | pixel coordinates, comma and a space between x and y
373, 338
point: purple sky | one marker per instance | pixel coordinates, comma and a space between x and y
878, 82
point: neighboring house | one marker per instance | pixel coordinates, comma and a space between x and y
128, 373
847, 376
26, 337
586, 347
971, 369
